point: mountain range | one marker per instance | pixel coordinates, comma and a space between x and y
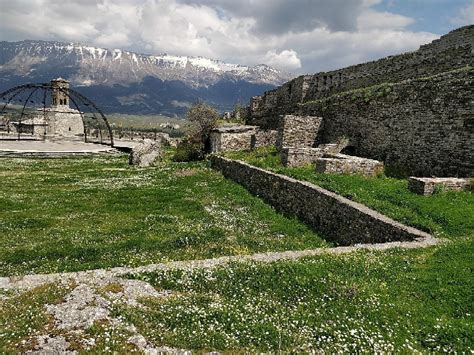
128, 82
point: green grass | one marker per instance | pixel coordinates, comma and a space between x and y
69, 214
366, 301
448, 214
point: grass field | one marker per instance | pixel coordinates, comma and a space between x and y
449, 215
95, 212
83, 213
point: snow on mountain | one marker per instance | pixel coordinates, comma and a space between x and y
124, 81
98, 66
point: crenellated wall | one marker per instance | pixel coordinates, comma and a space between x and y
451, 51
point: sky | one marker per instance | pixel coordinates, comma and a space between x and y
296, 36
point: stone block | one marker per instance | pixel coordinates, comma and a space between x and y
300, 156
346, 164
428, 185
145, 153
297, 131
231, 138
264, 138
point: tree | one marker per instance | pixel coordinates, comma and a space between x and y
203, 118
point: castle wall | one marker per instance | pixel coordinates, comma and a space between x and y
454, 50
423, 127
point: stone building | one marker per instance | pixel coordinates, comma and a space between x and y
59, 121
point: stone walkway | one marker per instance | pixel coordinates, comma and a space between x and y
102, 276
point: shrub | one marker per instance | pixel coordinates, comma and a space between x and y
189, 150
204, 118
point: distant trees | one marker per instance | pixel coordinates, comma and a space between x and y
203, 119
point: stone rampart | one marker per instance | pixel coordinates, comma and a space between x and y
423, 127
451, 51
337, 218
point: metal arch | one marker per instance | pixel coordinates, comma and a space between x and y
85, 99
18, 90
23, 111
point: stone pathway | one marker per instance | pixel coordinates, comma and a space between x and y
96, 291
102, 276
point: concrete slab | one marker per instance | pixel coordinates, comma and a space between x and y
50, 148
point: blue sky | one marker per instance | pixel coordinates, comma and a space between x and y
297, 36
434, 16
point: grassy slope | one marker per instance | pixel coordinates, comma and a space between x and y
445, 214
397, 300
85, 213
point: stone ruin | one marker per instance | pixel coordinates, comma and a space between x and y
145, 153
429, 186
412, 112
59, 121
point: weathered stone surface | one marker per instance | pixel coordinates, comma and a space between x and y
230, 138
297, 131
420, 123
338, 218
451, 51
145, 153
300, 156
303, 156
264, 138
346, 164
427, 186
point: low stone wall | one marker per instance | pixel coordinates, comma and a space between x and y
297, 131
337, 218
346, 164
427, 186
230, 138
300, 156
264, 138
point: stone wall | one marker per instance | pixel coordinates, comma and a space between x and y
423, 127
454, 50
300, 156
428, 186
264, 138
346, 164
230, 138
297, 131
337, 218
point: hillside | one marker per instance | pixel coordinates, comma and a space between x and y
128, 82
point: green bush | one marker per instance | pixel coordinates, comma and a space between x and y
189, 150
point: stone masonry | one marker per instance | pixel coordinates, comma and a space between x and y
427, 186
297, 131
346, 164
413, 111
340, 219
229, 138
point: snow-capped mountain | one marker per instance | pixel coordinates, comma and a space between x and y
129, 81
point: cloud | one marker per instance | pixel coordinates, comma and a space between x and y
465, 16
287, 59
298, 35
371, 19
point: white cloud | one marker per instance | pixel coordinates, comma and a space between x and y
371, 19
286, 59
299, 36
465, 16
